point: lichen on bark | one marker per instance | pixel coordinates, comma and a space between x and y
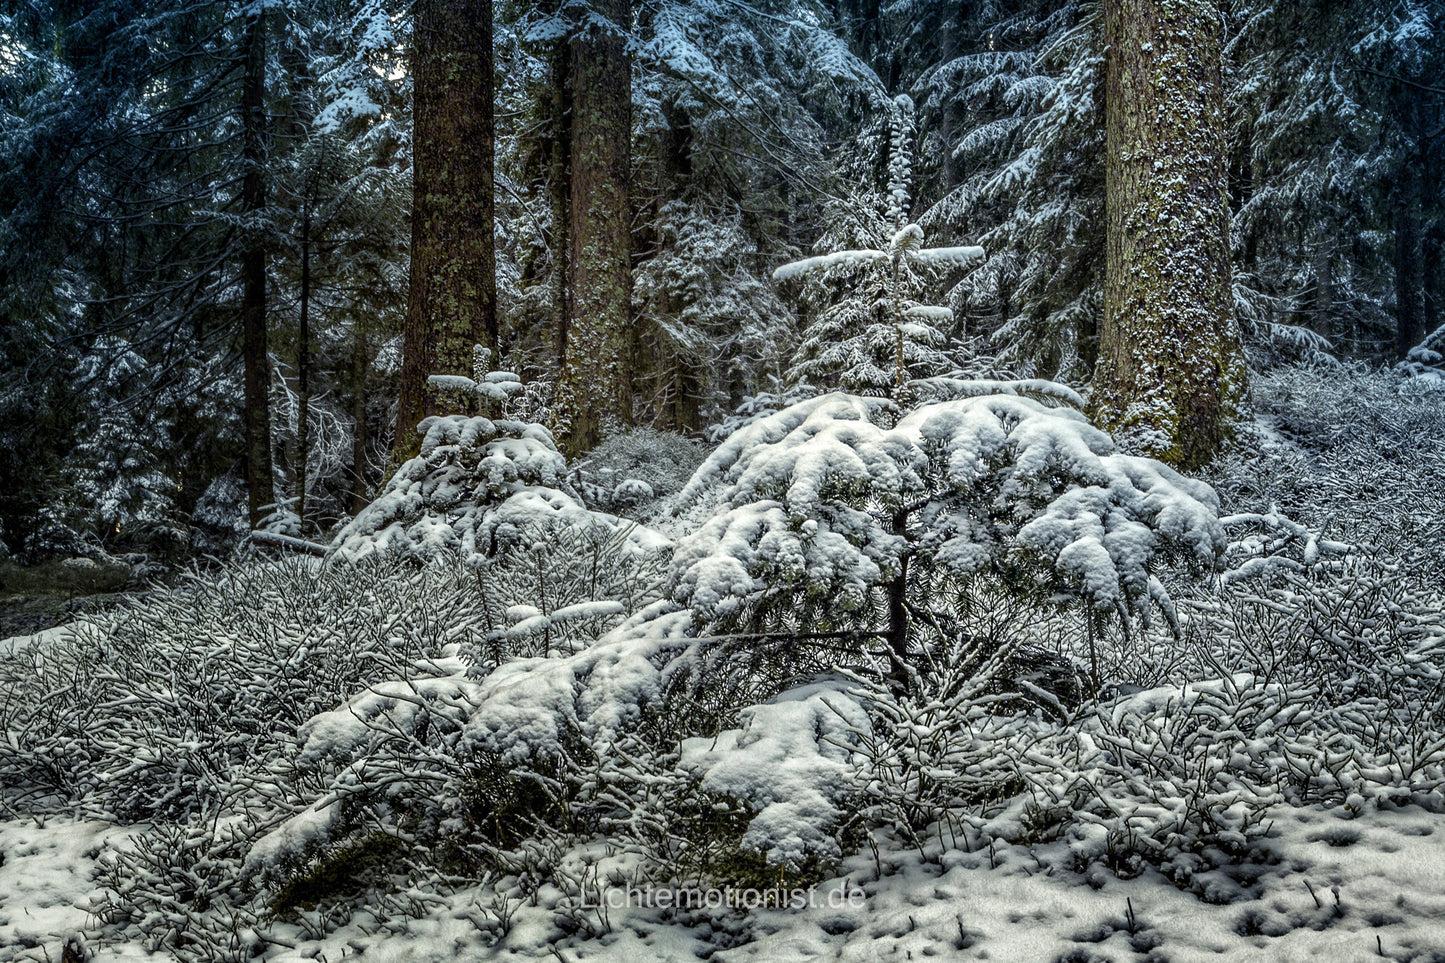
1170, 377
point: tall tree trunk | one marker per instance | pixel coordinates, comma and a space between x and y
1324, 300
452, 298
595, 380
360, 490
559, 181
1430, 285
303, 366
253, 271
1433, 236
1170, 374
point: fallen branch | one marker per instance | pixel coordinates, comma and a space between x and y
275, 540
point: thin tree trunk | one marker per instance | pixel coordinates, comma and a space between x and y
1433, 236
1430, 288
1324, 300
1409, 320
360, 491
898, 622
303, 368
253, 272
452, 298
1170, 374
595, 380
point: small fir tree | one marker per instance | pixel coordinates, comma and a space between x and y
877, 338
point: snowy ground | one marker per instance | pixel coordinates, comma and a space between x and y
43, 637
1333, 888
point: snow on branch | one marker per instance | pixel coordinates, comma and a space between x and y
827, 262
953, 388
947, 256
827, 502
498, 386
906, 242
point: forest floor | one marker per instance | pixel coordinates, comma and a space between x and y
1349, 881
1325, 887
39, 597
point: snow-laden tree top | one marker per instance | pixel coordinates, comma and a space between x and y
906, 242
476, 486
827, 504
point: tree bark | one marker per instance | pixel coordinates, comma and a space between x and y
898, 633
360, 491
1430, 286
1170, 374
1409, 319
1324, 300
595, 379
452, 297
303, 366
559, 180
253, 271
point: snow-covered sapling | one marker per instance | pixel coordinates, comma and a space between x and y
877, 338
837, 522
476, 486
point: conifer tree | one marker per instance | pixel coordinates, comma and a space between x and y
877, 338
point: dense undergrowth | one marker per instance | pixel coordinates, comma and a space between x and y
300, 742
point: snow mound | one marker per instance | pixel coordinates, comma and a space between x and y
793, 763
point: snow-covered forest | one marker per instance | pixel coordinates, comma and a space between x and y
722, 479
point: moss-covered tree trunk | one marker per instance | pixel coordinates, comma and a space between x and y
452, 299
594, 383
1170, 373
256, 369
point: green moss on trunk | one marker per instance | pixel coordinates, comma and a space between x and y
452, 299
1171, 374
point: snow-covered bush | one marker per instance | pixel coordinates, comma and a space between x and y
1365, 647
846, 521
176, 889
632, 471
162, 708
938, 757
1177, 777
1352, 454
845, 515
477, 487
564, 591
790, 765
